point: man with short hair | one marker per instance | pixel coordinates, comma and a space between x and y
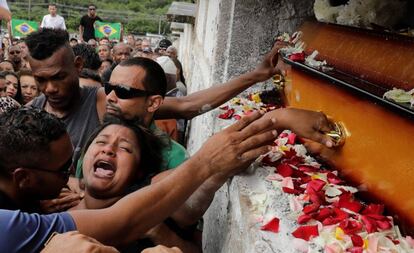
35, 148
86, 26
104, 52
53, 20
121, 52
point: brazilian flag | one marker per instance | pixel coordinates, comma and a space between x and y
110, 30
22, 28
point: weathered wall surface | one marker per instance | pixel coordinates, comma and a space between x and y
229, 38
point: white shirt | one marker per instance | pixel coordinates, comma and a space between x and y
56, 22
3, 3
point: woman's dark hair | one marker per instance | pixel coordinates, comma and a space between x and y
150, 145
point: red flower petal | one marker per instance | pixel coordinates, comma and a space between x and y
373, 209
304, 218
291, 138
237, 117
226, 107
307, 168
298, 57
323, 214
346, 201
350, 226
370, 224
291, 154
316, 185
284, 170
311, 208
383, 224
357, 241
291, 191
333, 179
306, 232
272, 225
227, 114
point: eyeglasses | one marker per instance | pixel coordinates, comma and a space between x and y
64, 170
92, 9
125, 92
14, 52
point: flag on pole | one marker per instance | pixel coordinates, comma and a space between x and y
110, 30
22, 28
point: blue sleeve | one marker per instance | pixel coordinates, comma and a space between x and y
24, 232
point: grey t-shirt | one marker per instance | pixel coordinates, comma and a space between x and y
81, 121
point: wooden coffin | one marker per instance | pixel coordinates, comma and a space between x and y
378, 154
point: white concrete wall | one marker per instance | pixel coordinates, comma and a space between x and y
229, 38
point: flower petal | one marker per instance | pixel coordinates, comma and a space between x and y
306, 232
272, 225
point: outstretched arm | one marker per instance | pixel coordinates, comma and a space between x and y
205, 100
307, 124
229, 150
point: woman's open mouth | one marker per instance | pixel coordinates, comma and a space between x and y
104, 169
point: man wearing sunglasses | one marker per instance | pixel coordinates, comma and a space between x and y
86, 27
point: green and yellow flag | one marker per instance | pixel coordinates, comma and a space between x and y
110, 30
22, 28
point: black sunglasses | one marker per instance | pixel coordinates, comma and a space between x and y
92, 9
65, 170
125, 92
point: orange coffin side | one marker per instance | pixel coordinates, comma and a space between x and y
379, 151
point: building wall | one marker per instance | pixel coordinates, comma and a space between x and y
230, 37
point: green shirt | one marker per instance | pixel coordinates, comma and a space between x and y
173, 153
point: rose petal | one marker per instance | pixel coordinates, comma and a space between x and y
311, 208
284, 169
370, 224
304, 218
307, 168
373, 209
272, 225
291, 138
350, 226
316, 184
357, 241
227, 114
346, 201
306, 232
333, 179
297, 57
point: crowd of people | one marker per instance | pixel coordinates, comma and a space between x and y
91, 140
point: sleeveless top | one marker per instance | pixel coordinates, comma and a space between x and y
81, 121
